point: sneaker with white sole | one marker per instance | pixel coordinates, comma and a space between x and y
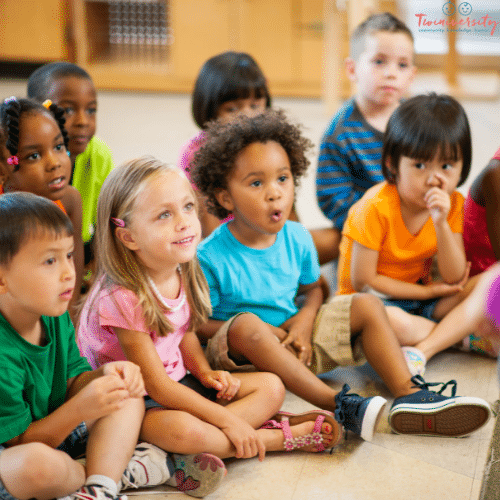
429, 413
358, 414
94, 492
196, 475
415, 360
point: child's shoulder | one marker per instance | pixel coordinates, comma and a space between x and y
343, 114
98, 153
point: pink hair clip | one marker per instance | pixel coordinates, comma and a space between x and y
10, 99
13, 160
47, 103
118, 222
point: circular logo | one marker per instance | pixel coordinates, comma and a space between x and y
449, 8
465, 8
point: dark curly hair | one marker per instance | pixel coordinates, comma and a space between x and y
215, 160
11, 112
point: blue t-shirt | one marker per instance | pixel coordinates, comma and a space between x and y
260, 281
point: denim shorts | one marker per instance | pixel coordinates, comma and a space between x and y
191, 382
424, 308
74, 445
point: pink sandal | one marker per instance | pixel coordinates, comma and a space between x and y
282, 420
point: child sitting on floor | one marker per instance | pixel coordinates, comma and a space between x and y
53, 407
256, 264
71, 88
149, 297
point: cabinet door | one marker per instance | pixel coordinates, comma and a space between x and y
33, 30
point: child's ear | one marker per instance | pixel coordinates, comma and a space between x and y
125, 236
225, 200
350, 67
390, 168
3, 284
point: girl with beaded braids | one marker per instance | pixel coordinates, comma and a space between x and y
35, 159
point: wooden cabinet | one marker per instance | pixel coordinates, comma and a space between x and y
33, 30
284, 36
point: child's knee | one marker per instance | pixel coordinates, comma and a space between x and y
248, 328
366, 304
40, 467
273, 386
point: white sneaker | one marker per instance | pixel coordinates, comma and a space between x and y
147, 467
94, 492
415, 359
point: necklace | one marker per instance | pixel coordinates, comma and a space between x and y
162, 300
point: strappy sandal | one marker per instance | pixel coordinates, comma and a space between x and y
283, 420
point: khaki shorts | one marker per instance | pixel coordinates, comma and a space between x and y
331, 343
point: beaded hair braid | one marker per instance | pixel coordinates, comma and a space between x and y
10, 114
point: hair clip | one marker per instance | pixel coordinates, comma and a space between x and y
10, 99
118, 222
68, 153
13, 160
47, 103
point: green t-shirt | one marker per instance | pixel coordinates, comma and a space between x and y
33, 378
91, 169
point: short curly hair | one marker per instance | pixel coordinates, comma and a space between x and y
215, 160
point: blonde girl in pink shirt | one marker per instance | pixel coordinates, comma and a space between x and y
148, 300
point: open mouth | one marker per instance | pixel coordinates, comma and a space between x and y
57, 183
67, 294
184, 241
276, 215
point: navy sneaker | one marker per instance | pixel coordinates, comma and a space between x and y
429, 413
357, 414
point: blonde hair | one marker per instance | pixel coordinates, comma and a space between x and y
119, 266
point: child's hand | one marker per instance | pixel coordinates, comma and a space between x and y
222, 381
130, 373
245, 439
100, 397
438, 201
436, 289
299, 330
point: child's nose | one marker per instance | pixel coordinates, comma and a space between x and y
273, 192
81, 117
68, 271
53, 161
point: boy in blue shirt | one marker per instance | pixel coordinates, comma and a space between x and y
259, 262
53, 407
380, 63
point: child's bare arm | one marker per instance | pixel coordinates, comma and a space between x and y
209, 329
299, 327
94, 395
451, 260
364, 278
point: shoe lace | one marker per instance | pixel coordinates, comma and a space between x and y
345, 404
419, 382
128, 477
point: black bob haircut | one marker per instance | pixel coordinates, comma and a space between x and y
41, 79
226, 77
424, 126
24, 215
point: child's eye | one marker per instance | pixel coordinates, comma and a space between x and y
69, 255
50, 261
34, 156
403, 65
60, 147
165, 215
256, 183
92, 111
447, 166
420, 165
283, 178
379, 61
189, 206
68, 110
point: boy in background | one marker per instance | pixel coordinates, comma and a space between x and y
380, 62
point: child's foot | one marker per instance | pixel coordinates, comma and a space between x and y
429, 413
312, 431
94, 492
196, 475
415, 359
357, 414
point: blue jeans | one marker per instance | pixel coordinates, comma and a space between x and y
424, 308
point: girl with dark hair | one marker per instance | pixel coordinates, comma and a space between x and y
228, 85
394, 231
36, 160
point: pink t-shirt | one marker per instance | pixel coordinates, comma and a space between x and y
118, 307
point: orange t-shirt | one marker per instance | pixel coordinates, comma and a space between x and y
57, 202
375, 221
